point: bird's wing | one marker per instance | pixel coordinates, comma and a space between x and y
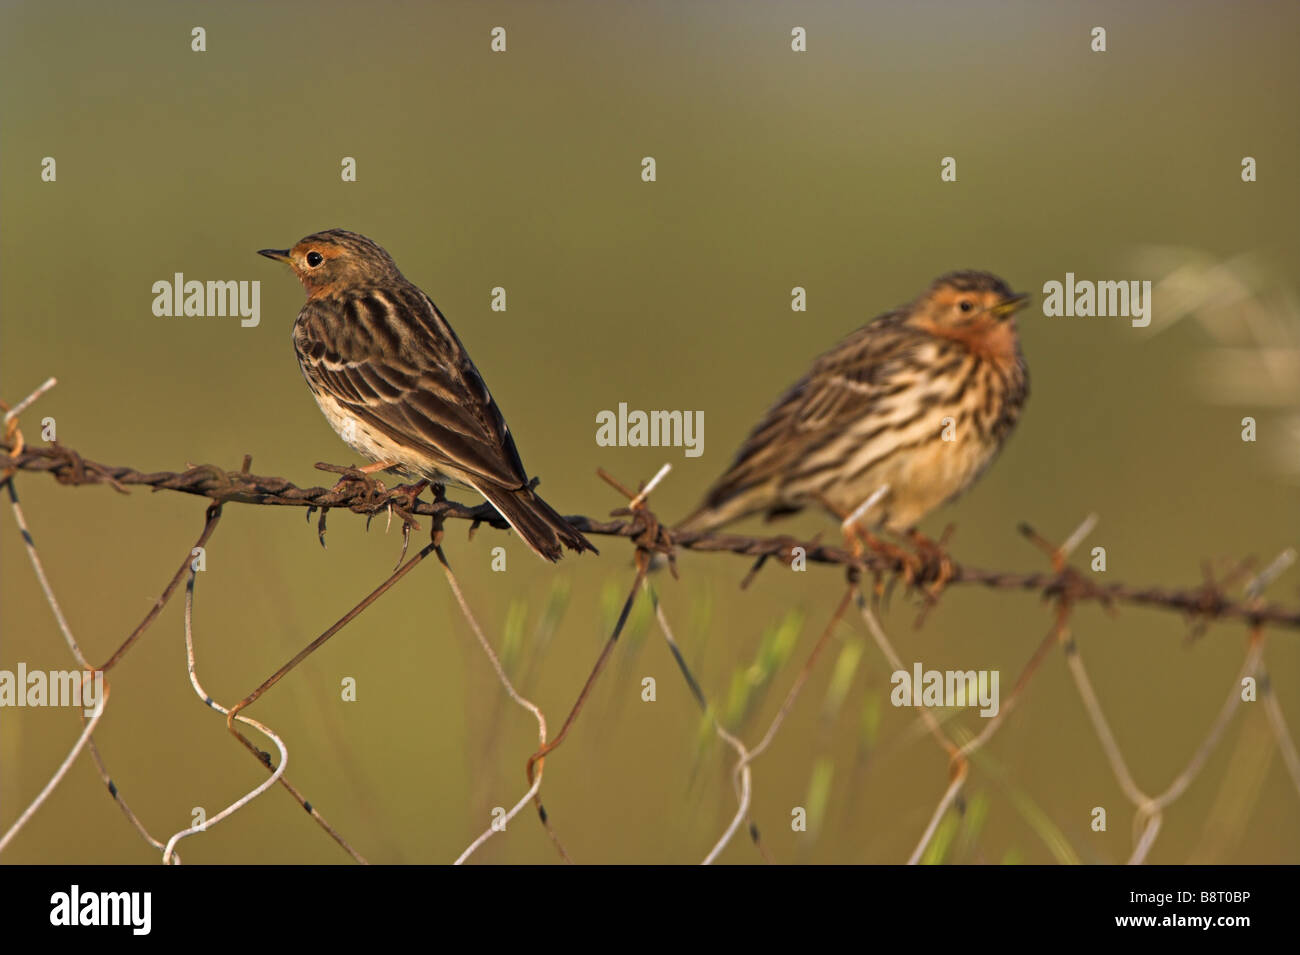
852, 377
392, 360
841, 387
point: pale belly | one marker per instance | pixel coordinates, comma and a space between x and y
925, 478
377, 446
919, 478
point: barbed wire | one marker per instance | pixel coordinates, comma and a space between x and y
1064, 586
363, 495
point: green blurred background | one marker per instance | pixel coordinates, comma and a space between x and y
522, 170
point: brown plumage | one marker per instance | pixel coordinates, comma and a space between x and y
397, 385
875, 410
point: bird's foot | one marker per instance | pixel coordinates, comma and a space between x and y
402, 502
934, 567
373, 494
860, 542
929, 568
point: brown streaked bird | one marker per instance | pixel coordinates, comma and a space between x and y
875, 409
397, 385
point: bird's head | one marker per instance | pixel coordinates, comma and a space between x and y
966, 301
336, 260
974, 310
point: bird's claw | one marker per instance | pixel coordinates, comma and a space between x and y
409, 492
929, 568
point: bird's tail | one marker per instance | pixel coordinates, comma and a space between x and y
700, 521
540, 526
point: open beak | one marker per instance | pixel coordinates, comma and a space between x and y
1009, 306
280, 255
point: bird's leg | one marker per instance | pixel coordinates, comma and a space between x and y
933, 564
857, 534
409, 492
373, 490
859, 539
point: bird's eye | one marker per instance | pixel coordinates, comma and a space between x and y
314, 259
965, 304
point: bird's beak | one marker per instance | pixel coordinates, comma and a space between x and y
1009, 306
280, 255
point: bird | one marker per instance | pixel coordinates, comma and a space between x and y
912, 407
395, 382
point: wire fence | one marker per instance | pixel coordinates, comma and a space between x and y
868, 573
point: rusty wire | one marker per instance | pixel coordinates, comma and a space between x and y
1208, 601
